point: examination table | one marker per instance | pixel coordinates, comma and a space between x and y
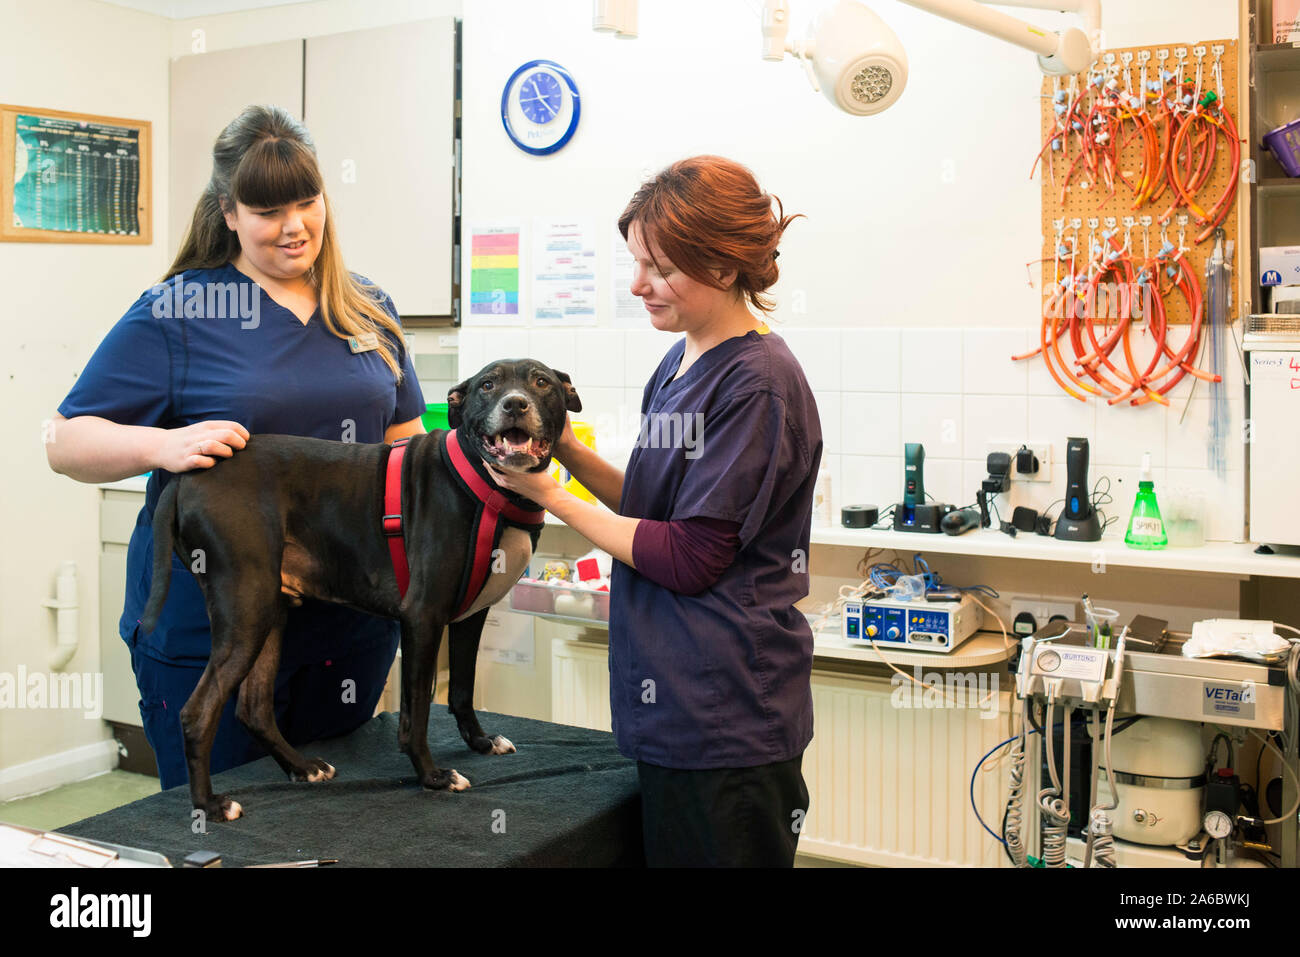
566, 799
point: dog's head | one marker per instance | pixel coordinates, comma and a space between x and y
515, 410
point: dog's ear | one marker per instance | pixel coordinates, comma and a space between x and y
456, 403
571, 400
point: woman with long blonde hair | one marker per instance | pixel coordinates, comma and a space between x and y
257, 327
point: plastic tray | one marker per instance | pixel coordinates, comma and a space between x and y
572, 601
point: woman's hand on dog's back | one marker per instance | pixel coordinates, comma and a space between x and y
198, 446
93, 449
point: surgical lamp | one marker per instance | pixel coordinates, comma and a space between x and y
857, 61
618, 17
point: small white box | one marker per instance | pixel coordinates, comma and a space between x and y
1280, 295
1279, 265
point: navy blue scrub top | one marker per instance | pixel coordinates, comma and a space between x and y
721, 679
158, 367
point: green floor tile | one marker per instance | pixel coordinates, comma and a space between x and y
72, 802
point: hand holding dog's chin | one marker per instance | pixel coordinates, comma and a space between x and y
539, 487
566, 443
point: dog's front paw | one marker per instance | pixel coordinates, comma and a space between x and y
448, 780
222, 808
312, 771
497, 744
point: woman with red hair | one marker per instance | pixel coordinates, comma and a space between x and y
709, 660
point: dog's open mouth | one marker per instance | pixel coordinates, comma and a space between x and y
516, 442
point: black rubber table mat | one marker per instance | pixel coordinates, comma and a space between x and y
567, 798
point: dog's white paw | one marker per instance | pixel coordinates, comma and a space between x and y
234, 811
458, 782
501, 745
314, 772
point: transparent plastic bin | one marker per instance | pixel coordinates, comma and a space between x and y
571, 601
1184, 511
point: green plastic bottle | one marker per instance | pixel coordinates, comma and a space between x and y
1146, 529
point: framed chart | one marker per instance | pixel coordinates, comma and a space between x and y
74, 177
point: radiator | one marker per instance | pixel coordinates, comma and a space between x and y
889, 786
580, 684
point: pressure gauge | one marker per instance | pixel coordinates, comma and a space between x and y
1048, 661
1218, 825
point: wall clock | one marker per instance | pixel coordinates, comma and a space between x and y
540, 107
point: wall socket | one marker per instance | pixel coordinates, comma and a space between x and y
1043, 450
1044, 610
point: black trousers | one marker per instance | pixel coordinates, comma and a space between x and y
729, 817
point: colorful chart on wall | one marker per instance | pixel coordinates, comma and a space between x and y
494, 274
73, 177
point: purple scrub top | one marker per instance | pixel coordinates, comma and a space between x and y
720, 679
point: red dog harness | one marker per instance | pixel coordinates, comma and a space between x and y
495, 510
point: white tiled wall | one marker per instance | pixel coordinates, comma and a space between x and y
955, 391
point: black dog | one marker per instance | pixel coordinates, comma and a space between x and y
288, 518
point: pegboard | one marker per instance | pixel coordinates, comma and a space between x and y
1089, 197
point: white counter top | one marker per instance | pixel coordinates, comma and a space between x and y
1217, 558
137, 483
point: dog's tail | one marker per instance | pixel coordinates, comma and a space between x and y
164, 536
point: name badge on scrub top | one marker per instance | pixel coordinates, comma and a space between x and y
363, 343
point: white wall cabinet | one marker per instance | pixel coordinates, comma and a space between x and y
379, 104
208, 90
118, 509
380, 107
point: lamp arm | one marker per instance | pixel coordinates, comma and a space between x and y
776, 27
1089, 10
1069, 51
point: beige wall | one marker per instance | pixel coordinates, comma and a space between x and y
56, 302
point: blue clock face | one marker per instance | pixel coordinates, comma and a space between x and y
540, 107
540, 97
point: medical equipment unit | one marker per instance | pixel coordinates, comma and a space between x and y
1272, 344
909, 609
1149, 779
919, 623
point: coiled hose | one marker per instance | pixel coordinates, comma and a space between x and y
1055, 809
1101, 835
1016, 799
